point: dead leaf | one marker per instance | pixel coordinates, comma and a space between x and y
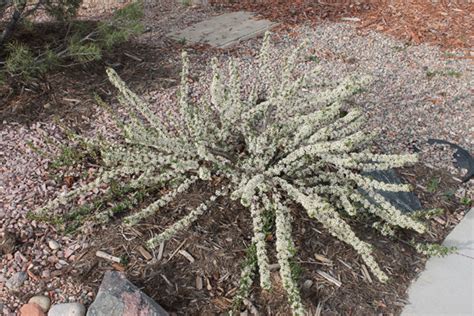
69, 181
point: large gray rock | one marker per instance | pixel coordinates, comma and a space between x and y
405, 201
119, 297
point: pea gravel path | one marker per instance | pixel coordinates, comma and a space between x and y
417, 92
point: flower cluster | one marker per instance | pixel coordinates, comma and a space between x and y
286, 142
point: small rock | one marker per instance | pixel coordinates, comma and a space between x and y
118, 297
68, 252
46, 274
7, 243
68, 309
54, 245
19, 257
16, 281
31, 309
307, 284
42, 301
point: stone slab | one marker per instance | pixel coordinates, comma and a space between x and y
224, 30
404, 201
446, 286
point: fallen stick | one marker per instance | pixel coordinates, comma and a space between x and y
330, 278
106, 256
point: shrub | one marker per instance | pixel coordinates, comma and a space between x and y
270, 149
82, 44
19, 10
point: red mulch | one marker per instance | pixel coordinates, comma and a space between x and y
449, 24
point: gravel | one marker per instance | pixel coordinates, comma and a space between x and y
417, 92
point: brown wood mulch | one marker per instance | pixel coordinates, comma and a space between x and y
449, 24
197, 272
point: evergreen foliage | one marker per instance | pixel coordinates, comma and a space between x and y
81, 44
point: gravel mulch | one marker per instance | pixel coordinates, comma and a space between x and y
417, 92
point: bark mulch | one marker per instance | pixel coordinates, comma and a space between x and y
197, 272
445, 23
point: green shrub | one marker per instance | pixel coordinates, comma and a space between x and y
18, 11
81, 45
270, 149
21, 61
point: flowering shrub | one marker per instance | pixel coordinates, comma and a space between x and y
270, 148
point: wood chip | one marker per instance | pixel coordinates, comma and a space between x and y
176, 250
160, 251
366, 274
350, 19
145, 254
208, 284
198, 282
187, 255
118, 267
253, 310
222, 303
166, 280
329, 278
32, 275
344, 263
273, 266
106, 256
322, 259
133, 57
439, 220
79, 257
72, 100
232, 291
319, 309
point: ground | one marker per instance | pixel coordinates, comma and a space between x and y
418, 91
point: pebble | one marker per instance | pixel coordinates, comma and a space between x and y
68, 252
7, 243
67, 309
46, 274
54, 245
307, 284
16, 280
31, 309
42, 301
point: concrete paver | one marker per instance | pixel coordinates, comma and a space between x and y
446, 286
224, 30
